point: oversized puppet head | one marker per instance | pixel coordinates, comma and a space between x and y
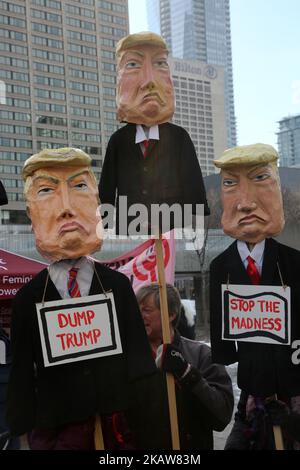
62, 198
145, 93
251, 194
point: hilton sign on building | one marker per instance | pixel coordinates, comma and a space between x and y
200, 108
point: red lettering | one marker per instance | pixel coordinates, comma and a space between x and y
81, 316
278, 324
69, 339
96, 334
62, 320
261, 304
75, 319
90, 315
269, 306
235, 322
234, 304
61, 337
77, 340
276, 307
87, 337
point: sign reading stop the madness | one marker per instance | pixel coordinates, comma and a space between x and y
259, 314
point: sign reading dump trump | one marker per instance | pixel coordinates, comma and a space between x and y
78, 329
259, 314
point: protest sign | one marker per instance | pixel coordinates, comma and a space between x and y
78, 329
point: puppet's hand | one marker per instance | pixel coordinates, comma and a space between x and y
170, 359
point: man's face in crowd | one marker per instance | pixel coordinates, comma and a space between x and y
62, 204
145, 92
252, 202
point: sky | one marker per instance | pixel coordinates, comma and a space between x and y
265, 37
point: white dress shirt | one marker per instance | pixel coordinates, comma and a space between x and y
59, 274
257, 254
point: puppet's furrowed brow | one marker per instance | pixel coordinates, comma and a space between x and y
46, 177
72, 177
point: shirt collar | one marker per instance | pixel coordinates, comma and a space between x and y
256, 254
67, 264
140, 135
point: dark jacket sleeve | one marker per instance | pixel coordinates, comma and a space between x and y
212, 388
194, 188
21, 402
3, 196
223, 352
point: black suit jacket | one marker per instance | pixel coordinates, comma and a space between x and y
169, 174
52, 396
263, 369
3, 196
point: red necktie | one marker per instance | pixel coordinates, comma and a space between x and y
73, 286
146, 145
253, 271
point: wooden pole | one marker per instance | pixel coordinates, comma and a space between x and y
98, 435
278, 438
167, 340
277, 430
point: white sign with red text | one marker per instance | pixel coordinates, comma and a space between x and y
78, 329
259, 314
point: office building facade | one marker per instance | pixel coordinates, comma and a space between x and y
289, 141
199, 30
58, 82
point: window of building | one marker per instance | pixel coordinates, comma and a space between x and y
47, 3
52, 133
53, 107
93, 113
44, 15
86, 137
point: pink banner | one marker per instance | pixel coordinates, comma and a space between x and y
139, 264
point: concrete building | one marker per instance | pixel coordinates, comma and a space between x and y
199, 30
289, 141
199, 91
58, 82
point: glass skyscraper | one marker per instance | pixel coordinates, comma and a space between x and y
198, 30
289, 141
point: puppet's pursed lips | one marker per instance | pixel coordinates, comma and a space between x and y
70, 227
151, 96
250, 218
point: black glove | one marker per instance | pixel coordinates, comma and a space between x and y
170, 359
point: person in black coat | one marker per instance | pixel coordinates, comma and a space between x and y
252, 214
203, 389
150, 160
57, 404
49, 398
170, 174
